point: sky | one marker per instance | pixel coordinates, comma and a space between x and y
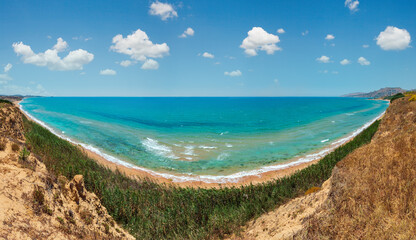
206, 47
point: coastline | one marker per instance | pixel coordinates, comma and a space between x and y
260, 175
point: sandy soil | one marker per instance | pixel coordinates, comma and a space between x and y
34, 204
287, 220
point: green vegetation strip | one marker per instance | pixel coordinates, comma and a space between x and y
5, 101
153, 211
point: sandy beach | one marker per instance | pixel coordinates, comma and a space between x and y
241, 181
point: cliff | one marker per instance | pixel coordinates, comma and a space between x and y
35, 204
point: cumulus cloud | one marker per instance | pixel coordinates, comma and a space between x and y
126, 63
363, 61
139, 47
393, 38
163, 10
108, 72
207, 55
150, 64
329, 37
188, 32
345, 62
235, 73
323, 59
352, 5
75, 60
280, 30
8, 67
260, 40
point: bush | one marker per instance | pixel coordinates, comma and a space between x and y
394, 97
24, 154
412, 98
15, 147
5, 101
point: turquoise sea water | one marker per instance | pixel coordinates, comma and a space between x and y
209, 137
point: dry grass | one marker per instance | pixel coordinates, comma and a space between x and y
312, 190
3, 145
373, 194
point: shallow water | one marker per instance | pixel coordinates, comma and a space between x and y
204, 136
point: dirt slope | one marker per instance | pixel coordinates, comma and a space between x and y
37, 205
371, 194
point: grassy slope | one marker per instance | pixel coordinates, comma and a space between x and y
153, 211
373, 191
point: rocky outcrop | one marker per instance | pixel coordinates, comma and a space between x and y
35, 204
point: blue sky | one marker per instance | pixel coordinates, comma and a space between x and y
245, 55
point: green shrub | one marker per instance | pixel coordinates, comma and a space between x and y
24, 154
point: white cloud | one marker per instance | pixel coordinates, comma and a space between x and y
335, 72
366, 46
276, 81
207, 55
150, 64
38, 90
188, 32
345, 62
363, 61
75, 60
305, 33
108, 72
352, 5
138, 46
235, 73
393, 38
4, 78
323, 59
8, 67
60, 45
280, 30
258, 39
163, 10
126, 63
82, 38
329, 37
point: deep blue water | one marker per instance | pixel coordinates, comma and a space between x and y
204, 136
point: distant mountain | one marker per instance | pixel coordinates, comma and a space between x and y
381, 93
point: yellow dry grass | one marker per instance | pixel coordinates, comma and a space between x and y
373, 191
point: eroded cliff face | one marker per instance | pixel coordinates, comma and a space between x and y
35, 204
370, 195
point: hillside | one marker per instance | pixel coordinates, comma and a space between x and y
383, 92
370, 195
36, 204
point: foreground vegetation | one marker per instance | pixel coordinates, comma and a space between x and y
394, 97
153, 211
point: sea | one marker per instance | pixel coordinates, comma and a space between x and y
210, 139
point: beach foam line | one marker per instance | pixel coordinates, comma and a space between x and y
232, 178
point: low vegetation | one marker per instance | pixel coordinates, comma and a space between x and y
394, 97
4, 101
154, 211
